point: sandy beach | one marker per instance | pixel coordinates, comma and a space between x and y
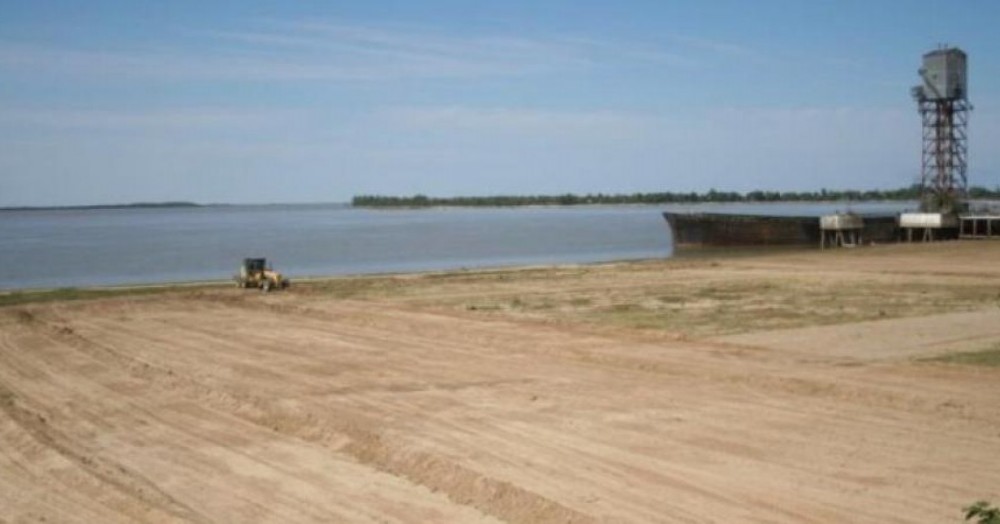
840, 386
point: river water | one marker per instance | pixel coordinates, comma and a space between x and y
63, 248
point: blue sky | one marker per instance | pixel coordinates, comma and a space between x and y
267, 101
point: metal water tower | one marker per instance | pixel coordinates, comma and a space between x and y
942, 99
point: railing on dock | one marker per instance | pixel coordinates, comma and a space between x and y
979, 226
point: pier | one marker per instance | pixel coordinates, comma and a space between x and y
979, 226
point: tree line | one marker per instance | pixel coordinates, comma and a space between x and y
824, 195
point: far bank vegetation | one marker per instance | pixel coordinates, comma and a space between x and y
823, 195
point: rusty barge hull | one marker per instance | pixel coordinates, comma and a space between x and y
724, 229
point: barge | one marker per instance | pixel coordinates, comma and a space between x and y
730, 230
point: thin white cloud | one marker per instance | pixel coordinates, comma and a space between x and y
511, 120
325, 51
415, 42
255, 64
719, 47
375, 52
631, 52
197, 117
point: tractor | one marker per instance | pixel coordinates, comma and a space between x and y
256, 273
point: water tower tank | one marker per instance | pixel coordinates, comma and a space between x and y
944, 72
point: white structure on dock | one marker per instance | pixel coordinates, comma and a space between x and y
840, 230
930, 226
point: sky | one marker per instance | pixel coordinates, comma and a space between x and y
259, 101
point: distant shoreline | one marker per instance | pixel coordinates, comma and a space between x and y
910, 193
135, 205
980, 195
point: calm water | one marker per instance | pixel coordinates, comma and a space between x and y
126, 246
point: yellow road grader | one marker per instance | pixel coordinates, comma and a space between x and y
256, 273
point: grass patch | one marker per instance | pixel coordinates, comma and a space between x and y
483, 307
987, 357
544, 304
17, 298
714, 254
354, 287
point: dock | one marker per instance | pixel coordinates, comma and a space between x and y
979, 226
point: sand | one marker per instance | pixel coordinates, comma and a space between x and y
793, 387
